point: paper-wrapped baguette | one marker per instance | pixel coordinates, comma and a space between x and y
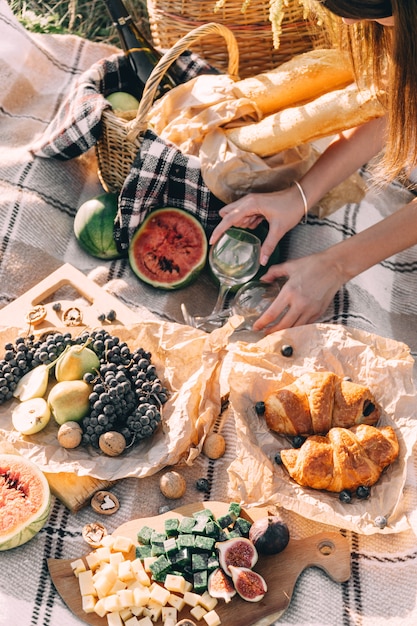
329, 114
305, 77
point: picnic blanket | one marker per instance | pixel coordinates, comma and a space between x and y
39, 199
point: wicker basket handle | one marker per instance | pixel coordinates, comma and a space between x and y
139, 124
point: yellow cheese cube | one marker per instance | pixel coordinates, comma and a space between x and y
140, 596
145, 621
132, 621
112, 603
99, 608
116, 558
212, 619
103, 554
125, 570
198, 612
122, 544
140, 573
107, 541
136, 610
105, 580
170, 622
176, 601
93, 561
175, 583
88, 603
168, 612
207, 602
125, 614
153, 610
78, 566
188, 586
126, 597
114, 619
147, 561
85, 581
160, 594
192, 599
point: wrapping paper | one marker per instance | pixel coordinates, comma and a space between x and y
384, 365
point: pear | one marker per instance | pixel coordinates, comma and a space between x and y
69, 400
31, 416
33, 384
76, 361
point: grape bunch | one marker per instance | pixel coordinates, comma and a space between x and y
126, 392
17, 361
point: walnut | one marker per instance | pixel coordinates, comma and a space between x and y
112, 443
172, 485
214, 446
70, 435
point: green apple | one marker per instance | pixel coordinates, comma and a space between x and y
31, 416
123, 101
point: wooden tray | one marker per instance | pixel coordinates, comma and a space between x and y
328, 551
74, 491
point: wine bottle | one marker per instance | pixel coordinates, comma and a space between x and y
142, 55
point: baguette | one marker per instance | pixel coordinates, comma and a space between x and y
303, 78
329, 114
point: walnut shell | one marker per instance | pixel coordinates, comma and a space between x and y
112, 443
70, 435
214, 446
172, 485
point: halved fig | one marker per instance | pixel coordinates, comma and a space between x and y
220, 585
238, 551
249, 584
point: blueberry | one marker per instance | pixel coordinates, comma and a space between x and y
56, 306
260, 408
381, 521
101, 317
345, 496
298, 441
287, 350
363, 492
202, 484
111, 315
278, 459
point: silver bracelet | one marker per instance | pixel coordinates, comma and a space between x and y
303, 196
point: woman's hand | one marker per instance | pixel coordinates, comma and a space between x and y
311, 285
281, 209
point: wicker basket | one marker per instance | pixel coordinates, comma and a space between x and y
120, 140
170, 19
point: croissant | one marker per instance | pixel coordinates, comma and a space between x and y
318, 401
343, 459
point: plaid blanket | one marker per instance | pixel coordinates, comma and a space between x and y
39, 198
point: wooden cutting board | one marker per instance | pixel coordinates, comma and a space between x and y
328, 551
90, 300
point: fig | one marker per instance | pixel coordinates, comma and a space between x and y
249, 584
76, 361
269, 535
220, 585
239, 552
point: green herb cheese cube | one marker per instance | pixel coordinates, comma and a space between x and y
186, 525
185, 541
234, 509
171, 526
212, 563
181, 558
144, 535
200, 581
243, 525
199, 562
224, 521
204, 543
160, 567
142, 552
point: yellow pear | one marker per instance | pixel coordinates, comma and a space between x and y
68, 400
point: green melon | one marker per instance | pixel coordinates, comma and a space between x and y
169, 249
25, 500
93, 226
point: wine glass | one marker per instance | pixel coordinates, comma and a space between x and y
253, 298
234, 259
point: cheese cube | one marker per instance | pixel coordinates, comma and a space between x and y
118, 586
112, 603
175, 583
85, 581
125, 614
132, 621
126, 597
136, 610
160, 595
107, 541
116, 558
192, 599
176, 601
188, 586
198, 612
78, 566
93, 561
145, 621
114, 619
147, 562
88, 603
168, 612
170, 622
207, 602
103, 554
125, 570
122, 544
140, 596
99, 608
104, 582
153, 610
212, 619
140, 573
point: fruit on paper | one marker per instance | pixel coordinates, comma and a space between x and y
33, 384
75, 362
31, 416
169, 249
25, 500
69, 400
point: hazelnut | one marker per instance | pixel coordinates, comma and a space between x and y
70, 435
172, 485
112, 443
214, 446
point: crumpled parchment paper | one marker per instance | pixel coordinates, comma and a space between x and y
384, 365
188, 363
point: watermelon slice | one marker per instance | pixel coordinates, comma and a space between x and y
169, 249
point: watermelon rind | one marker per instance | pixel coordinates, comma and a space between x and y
169, 249
38, 491
94, 224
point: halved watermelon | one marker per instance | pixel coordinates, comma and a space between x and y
25, 500
169, 249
